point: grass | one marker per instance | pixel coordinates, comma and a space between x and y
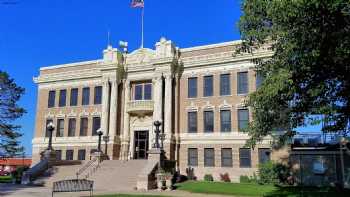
241, 189
5, 179
251, 189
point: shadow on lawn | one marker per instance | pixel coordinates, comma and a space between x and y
307, 192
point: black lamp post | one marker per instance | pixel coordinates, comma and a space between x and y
99, 133
157, 131
106, 139
50, 128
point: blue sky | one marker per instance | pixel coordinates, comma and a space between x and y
36, 33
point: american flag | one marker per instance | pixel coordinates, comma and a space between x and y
137, 4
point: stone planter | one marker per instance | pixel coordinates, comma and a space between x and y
160, 181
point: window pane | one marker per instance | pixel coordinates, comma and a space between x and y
192, 157
209, 157
62, 99
208, 86
259, 79
192, 87
47, 133
192, 122
69, 155
74, 97
96, 124
225, 84
98, 95
244, 158
83, 126
71, 127
58, 154
81, 154
86, 96
138, 92
208, 121
226, 157
264, 155
148, 91
225, 120
51, 99
242, 83
243, 119
60, 128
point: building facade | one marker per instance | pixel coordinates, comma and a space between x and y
197, 93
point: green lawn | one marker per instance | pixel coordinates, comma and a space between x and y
247, 189
5, 179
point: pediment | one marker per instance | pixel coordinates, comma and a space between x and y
140, 56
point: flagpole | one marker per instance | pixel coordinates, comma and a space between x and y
142, 14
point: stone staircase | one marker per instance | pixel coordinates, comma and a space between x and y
111, 175
117, 175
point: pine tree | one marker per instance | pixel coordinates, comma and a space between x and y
10, 94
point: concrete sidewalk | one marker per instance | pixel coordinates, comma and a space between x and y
10, 190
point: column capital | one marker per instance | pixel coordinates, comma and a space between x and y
168, 76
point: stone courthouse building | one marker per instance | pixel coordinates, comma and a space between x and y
197, 93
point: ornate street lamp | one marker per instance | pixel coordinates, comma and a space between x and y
50, 127
157, 131
99, 133
106, 139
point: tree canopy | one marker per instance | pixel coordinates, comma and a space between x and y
308, 73
10, 94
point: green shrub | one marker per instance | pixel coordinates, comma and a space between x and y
273, 173
267, 173
208, 177
244, 179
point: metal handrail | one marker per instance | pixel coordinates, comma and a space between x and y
86, 166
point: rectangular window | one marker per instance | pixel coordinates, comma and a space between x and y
83, 126
81, 154
192, 157
208, 121
74, 97
208, 86
192, 122
69, 154
51, 99
47, 132
86, 96
226, 157
225, 84
58, 155
192, 87
244, 158
225, 120
62, 99
209, 157
138, 92
242, 83
96, 124
264, 155
243, 119
259, 79
148, 91
71, 127
60, 128
98, 95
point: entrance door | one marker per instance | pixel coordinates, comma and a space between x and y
141, 144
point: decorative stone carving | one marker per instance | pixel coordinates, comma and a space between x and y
84, 113
71, 114
139, 57
225, 105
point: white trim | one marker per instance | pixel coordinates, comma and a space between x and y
223, 44
71, 64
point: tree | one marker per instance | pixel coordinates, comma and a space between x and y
307, 79
10, 94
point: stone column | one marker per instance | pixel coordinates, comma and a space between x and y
157, 98
168, 106
105, 106
113, 110
126, 137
